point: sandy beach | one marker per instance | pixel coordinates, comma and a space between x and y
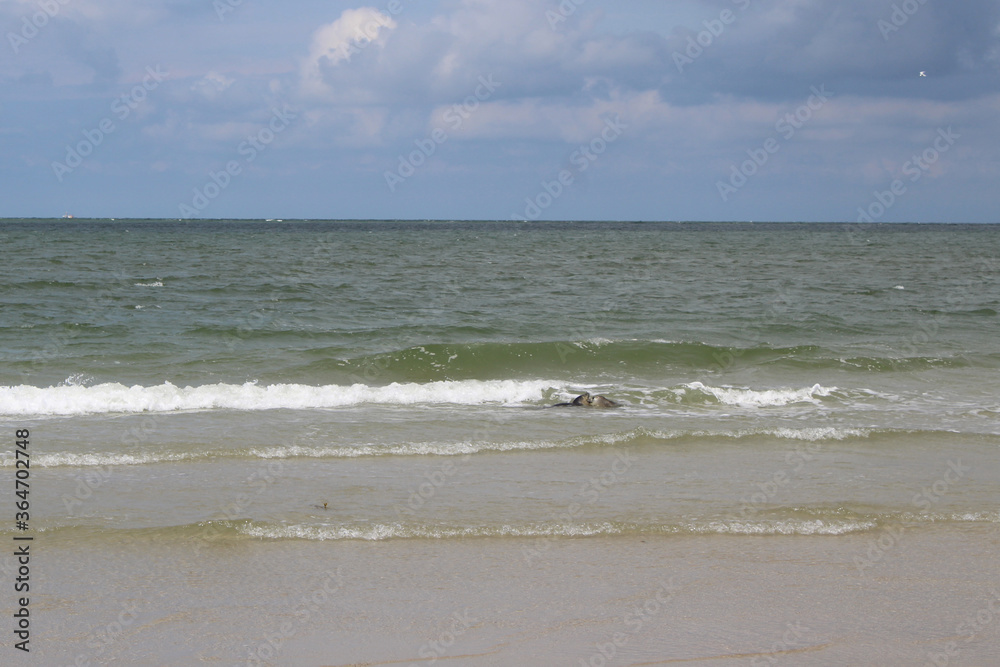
713, 600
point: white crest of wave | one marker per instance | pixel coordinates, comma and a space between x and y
118, 398
97, 459
385, 531
753, 398
460, 448
819, 433
786, 527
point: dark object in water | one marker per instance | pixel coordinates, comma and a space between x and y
601, 402
588, 401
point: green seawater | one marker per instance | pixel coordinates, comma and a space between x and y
152, 301
232, 376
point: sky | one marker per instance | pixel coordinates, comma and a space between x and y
716, 110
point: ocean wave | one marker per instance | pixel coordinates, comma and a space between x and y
555, 358
789, 522
106, 398
755, 398
638, 437
781, 527
74, 397
600, 355
783, 522
835, 524
385, 531
98, 459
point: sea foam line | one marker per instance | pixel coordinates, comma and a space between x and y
74, 398
777, 527
754, 398
816, 526
386, 531
457, 448
113, 397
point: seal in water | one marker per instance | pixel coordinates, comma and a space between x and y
601, 402
582, 399
588, 401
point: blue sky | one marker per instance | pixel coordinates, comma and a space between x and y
787, 110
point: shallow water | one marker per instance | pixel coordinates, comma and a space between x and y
223, 383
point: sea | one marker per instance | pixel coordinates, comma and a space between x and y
325, 388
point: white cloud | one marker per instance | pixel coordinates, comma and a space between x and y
552, 80
212, 84
338, 42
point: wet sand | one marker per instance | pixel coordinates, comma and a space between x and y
927, 596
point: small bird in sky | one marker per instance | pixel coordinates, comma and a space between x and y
923, 74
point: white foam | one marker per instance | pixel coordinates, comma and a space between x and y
117, 398
786, 527
385, 531
408, 449
753, 398
7, 460
457, 448
819, 433
958, 517
596, 342
78, 379
989, 517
